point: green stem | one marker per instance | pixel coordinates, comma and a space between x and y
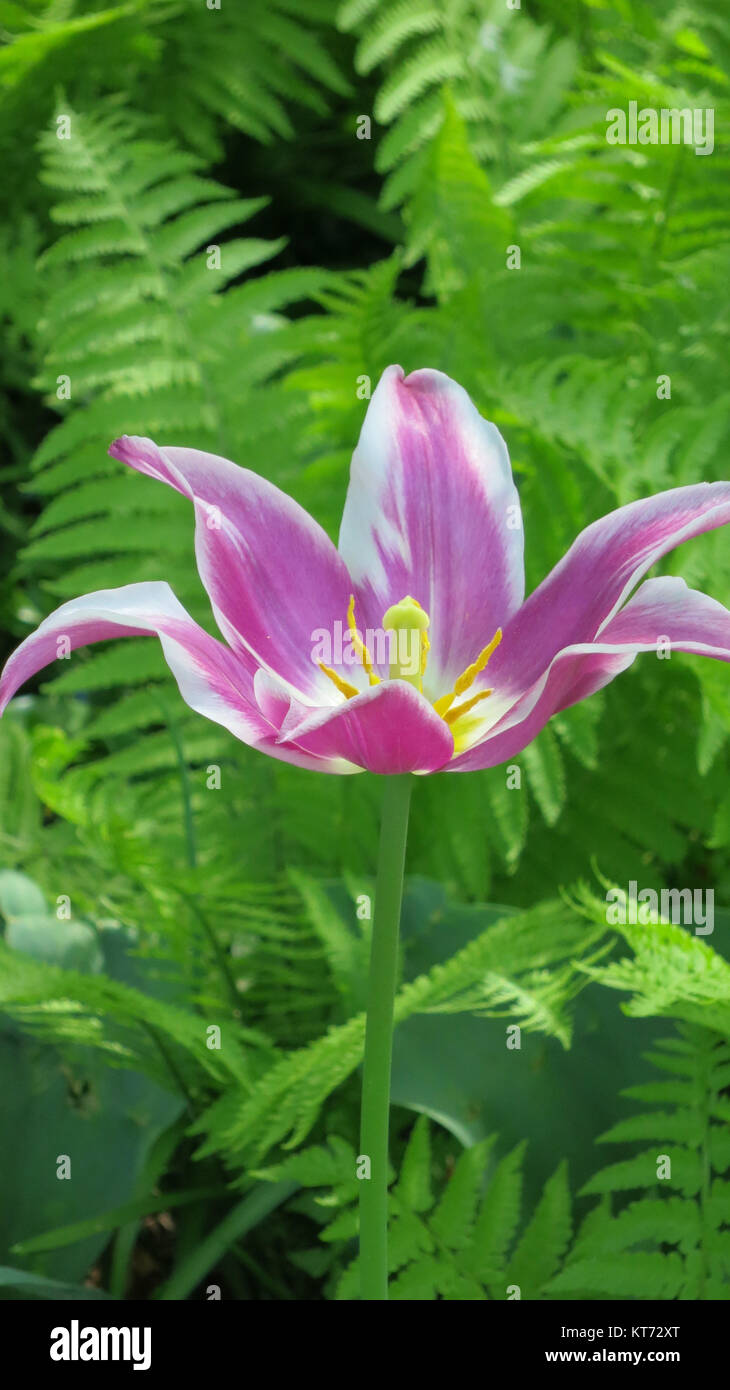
379, 1038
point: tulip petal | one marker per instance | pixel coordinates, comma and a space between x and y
272, 574
594, 578
212, 680
275, 702
663, 611
390, 728
432, 511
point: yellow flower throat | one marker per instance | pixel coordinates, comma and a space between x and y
408, 616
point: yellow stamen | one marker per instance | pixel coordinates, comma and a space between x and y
344, 687
458, 710
425, 649
468, 677
443, 703
358, 643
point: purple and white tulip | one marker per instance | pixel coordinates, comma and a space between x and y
430, 548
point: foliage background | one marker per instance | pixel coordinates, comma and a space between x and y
238, 127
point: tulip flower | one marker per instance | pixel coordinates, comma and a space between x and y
444, 665
430, 547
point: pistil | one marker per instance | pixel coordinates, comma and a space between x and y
408, 617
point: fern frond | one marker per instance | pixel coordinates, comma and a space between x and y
672, 1241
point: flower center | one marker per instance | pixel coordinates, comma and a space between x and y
409, 648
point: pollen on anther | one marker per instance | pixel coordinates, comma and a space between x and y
359, 645
468, 677
457, 710
343, 686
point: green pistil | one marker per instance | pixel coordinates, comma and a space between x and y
409, 617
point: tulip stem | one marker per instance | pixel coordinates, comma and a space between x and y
379, 1038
